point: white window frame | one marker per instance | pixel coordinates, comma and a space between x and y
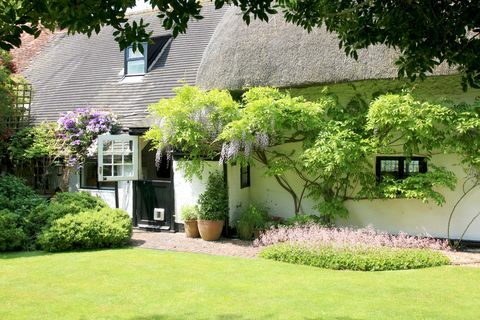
101, 153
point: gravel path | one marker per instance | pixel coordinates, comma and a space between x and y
239, 248
179, 242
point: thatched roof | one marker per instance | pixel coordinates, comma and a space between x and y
281, 54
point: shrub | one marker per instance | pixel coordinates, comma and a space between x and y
301, 219
214, 201
315, 234
355, 258
16, 196
107, 228
41, 217
12, 236
251, 220
189, 213
79, 201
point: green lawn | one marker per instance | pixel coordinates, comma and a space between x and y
148, 284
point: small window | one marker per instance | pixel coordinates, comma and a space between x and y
117, 157
244, 177
399, 167
138, 63
89, 177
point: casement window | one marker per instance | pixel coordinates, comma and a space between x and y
117, 157
244, 177
399, 167
138, 63
89, 177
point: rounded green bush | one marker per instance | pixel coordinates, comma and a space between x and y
12, 236
355, 258
107, 228
79, 201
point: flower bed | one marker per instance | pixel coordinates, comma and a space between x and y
315, 234
363, 249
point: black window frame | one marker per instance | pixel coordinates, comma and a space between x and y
100, 184
128, 59
423, 168
243, 183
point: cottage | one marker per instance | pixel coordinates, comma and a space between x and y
220, 51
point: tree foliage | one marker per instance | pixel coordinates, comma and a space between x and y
326, 146
426, 33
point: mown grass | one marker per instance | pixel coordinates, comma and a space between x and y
148, 284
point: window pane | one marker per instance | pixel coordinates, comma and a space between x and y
89, 175
134, 54
107, 159
107, 146
136, 67
128, 170
389, 165
127, 159
412, 167
117, 159
107, 171
117, 171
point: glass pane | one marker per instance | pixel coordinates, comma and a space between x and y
128, 171
107, 146
89, 175
134, 54
412, 167
117, 159
127, 159
107, 171
117, 171
389, 165
136, 67
107, 159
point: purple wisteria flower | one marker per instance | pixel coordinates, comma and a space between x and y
80, 129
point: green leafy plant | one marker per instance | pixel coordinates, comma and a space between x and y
213, 202
107, 228
12, 236
302, 219
81, 201
252, 220
16, 196
189, 213
355, 258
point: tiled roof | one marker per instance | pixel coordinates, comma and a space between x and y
76, 71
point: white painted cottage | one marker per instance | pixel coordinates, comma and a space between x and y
219, 51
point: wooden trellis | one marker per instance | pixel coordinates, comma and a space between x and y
19, 116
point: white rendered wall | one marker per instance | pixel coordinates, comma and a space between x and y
393, 215
188, 191
239, 198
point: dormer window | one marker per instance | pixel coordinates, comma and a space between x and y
135, 61
138, 63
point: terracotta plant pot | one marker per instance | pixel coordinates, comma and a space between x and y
210, 230
191, 229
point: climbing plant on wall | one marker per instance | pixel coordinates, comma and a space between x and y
326, 146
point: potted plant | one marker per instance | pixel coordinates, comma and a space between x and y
213, 208
189, 215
